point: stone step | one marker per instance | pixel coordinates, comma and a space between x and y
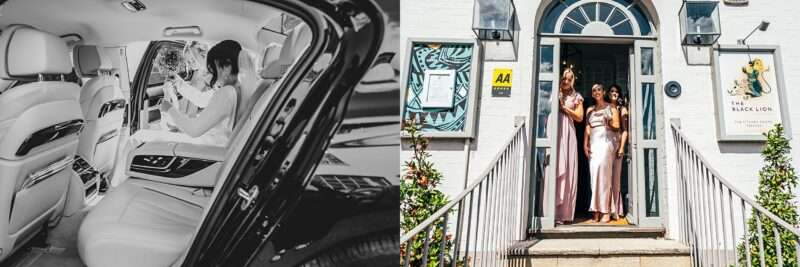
576, 232
600, 252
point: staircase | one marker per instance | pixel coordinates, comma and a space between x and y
485, 223
600, 246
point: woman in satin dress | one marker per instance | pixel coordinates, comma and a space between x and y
570, 112
602, 122
621, 139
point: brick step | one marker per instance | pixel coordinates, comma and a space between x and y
577, 232
600, 252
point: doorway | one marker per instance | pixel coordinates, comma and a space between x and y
605, 64
625, 32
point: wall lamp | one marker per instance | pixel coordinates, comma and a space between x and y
762, 27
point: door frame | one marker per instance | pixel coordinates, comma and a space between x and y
139, 85
636, 177
288, 140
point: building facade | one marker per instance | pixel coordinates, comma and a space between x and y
499, 83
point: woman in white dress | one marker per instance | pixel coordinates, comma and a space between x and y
598, 144
219, 116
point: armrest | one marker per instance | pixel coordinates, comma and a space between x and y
176, 163
207, 152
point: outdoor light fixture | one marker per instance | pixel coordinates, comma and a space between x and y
762, 27
133, 5
699, 22
493, 20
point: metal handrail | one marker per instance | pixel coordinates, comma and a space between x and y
496, 191
705, 227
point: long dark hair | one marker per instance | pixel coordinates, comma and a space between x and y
621, 98
225, 53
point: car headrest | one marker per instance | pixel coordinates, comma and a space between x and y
26, 52
247, 74
271, 55
296, 42
90, 59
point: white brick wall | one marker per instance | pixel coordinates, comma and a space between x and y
738, 163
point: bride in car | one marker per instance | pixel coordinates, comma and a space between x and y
218, 117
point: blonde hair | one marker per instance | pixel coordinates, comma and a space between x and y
565, 79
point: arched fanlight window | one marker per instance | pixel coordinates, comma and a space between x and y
596, 18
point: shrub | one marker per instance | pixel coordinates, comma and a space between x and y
419, 199
777, 179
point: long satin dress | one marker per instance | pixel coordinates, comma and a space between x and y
616, 195
567, 162
601, 163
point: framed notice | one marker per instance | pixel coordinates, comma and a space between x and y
750, 93
437, 88
440, 81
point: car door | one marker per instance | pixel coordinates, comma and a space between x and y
281, 155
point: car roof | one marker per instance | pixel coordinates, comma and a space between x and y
108, 22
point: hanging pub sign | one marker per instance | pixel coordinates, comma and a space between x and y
750, 94
501, 83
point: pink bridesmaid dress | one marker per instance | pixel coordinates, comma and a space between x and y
601, 163
567, 162
616, 195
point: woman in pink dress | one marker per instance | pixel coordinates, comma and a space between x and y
570, 111
621, 138
598, 144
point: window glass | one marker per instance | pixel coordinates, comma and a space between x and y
649, 111
546, 59
624, 28
544, 108
591, 10
647, 61
617, 18
571, 27
651, 182
538, 182
577, 16
604, 11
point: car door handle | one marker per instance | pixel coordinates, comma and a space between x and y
247, 196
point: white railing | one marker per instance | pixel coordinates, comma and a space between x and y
490, 214
714, 217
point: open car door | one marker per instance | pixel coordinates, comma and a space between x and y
290, 137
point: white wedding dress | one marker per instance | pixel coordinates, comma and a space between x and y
215, 123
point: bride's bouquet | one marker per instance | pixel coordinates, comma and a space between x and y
168, 62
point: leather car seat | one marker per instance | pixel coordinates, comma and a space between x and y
147, 223
40, 120
102, 104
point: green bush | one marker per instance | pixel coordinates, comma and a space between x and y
777, 179
419, 199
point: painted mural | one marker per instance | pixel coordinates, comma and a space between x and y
436, 56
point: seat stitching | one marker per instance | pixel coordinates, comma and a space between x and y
182, 200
